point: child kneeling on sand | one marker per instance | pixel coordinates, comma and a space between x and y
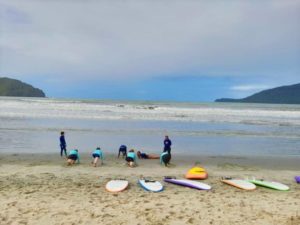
97, 154
73, 157
165, 158
131, 158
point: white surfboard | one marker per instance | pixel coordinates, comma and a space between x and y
116, 185
151, 185
242, 184
270, 184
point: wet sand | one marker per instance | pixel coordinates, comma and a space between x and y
41, 189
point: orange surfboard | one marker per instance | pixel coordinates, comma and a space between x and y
242, 184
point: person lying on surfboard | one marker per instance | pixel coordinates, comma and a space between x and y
146, 156
165, 158
97, 154
73, 157
131, 158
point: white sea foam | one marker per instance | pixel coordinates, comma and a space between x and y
104, 110
33, 124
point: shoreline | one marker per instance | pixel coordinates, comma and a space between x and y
254, 162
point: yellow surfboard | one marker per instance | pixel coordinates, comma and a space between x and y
196, 172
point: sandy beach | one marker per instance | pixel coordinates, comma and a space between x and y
41, 189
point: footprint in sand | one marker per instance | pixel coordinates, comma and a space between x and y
190, 220
12, 203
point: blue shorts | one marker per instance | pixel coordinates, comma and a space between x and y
129, 159
96, 155
73, 157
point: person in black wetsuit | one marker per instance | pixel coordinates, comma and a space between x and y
63, 144
146, 156
167, 145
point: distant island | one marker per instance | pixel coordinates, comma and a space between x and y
16, 88
280, 95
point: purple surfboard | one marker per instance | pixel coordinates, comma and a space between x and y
297, 179
188, 183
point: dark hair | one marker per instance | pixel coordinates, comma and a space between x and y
62, 132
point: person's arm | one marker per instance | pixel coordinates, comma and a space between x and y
101, 156
64, 141
134, 158
78, 158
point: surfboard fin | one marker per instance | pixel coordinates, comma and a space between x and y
226, 178
149, 181
170, 177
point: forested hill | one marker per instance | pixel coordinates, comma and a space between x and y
280, 95
16, 88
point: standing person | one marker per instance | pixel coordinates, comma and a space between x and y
167, 144
73, 157
97, 154
63, 144
131, 158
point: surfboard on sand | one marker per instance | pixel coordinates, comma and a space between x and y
196, 172
188, 183
297, 179
116, 185
270, 184
242, 184
151, 185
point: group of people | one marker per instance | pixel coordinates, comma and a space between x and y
130, 156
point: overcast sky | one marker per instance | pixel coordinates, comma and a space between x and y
154, 50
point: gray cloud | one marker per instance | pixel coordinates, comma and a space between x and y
139, 39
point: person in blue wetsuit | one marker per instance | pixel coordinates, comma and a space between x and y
63, 144
73, 157
123, 150
167, 145
165, 158
131, 158
97, 154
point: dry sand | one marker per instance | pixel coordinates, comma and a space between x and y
40, 189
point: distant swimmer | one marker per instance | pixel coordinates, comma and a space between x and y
131, 158
167, 145
97, 154
165, 158
63, 144
146, 156
123, 150
73, 157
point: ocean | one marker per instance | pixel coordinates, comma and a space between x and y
33, 125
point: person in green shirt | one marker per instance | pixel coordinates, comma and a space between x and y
165, 158
97, 154
131, 158
73, 157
